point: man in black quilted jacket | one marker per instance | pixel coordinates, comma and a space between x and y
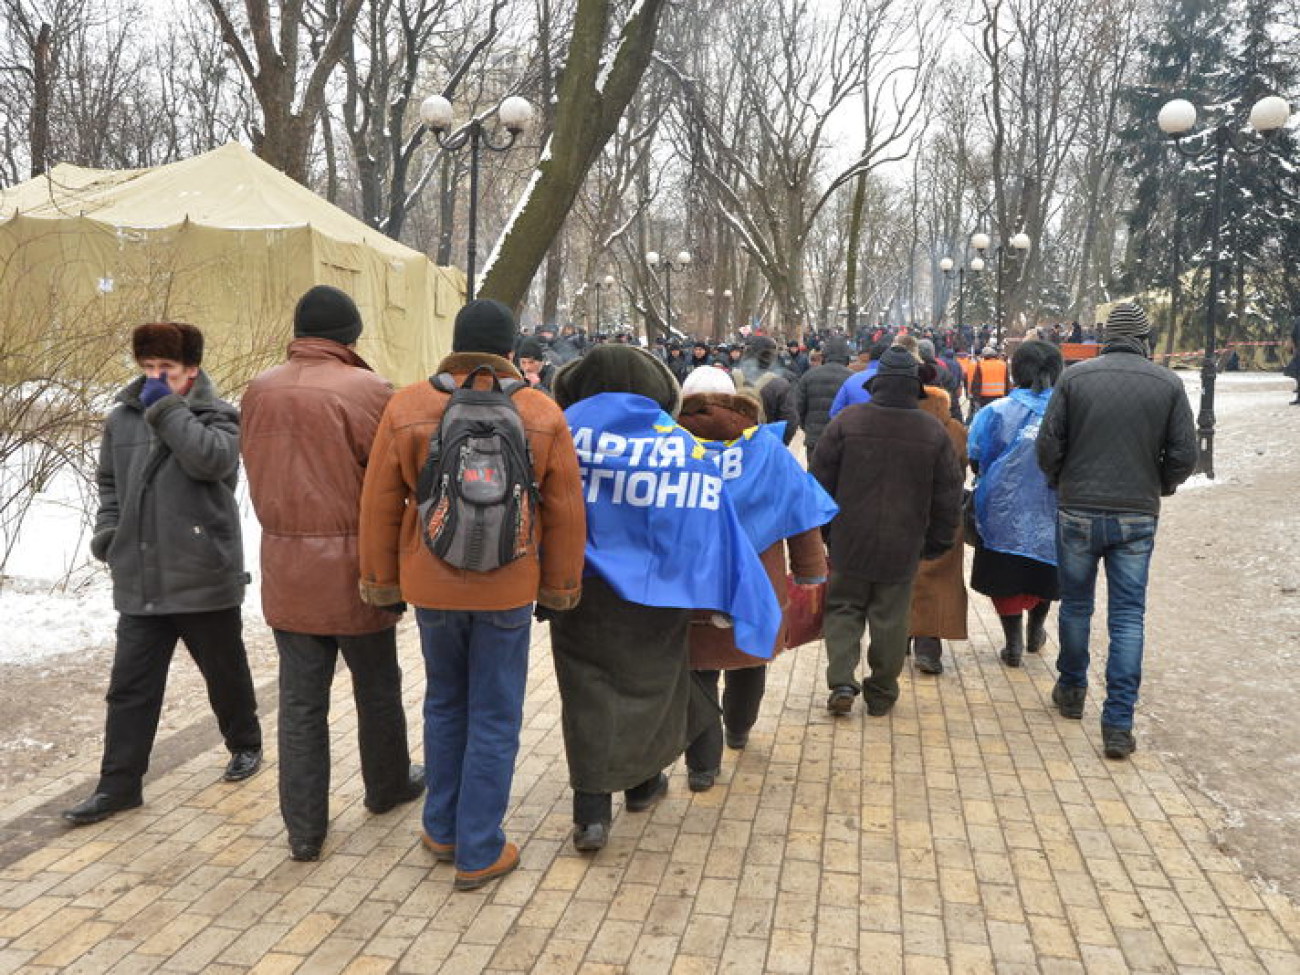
1118, 436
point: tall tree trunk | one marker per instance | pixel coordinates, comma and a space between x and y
42, 77
854, 249
593, 92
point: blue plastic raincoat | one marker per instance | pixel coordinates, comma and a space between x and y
1015, 510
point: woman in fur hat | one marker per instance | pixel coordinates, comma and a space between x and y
728, 420
662, 539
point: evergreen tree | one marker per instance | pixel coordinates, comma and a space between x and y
1185, 55
1261, 204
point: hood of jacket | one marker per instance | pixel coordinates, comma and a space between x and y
719, 416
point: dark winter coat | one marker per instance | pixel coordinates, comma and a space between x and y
813, 396
307, 430
168, 524
1118, 434
894, 473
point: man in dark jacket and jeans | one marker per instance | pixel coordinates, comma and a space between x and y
168, 527
892, 470
308, 426
816, 389
1118, 435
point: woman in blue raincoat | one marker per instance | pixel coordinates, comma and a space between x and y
1015, 510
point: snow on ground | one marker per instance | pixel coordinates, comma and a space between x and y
55, 598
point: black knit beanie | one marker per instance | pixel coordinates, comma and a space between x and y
327, 313
484, 325
1127, 320
617, 368
898, 363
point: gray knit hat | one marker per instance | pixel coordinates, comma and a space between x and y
1127, 320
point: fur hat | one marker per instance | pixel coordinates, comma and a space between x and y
177, 341
1127, 319
327, 313
613, 368
485, 326
708, 379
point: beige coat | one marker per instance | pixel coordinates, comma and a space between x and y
939, 594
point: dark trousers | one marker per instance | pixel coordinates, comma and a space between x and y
145, 645
852, 606
598, 807
741, 698
307, 665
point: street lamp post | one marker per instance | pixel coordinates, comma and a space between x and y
514, 114
606, 282
658, 262
975, 265
1019, 243
1176, 119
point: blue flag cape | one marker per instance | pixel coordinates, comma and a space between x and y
661, 528
774, 497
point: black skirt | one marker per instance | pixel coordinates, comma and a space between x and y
1001, 574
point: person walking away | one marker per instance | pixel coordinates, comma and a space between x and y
856, 388
168, 527
945, 378
939, 592
308, 425
759, 369
989, 380
663, 539
1118, 435
886, 456
782, 508
816, 390
474, 625
1293, 367
1015, 509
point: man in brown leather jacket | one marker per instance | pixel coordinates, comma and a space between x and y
474, 626
307, 429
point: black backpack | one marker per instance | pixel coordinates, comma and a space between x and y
476, 493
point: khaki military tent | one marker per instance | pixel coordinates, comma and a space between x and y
221, 240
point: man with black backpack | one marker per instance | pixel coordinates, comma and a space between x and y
472, 510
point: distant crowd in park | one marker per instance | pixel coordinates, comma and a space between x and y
652, 506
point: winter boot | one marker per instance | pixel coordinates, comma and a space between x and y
1014, 628
929, 653
1036, 633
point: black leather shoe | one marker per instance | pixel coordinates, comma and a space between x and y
878, 707
1069, 700
304, 851
642, 797
841, 700
737, 740
590, 837
1117, 742
412, 790
243, 765
98, 808
701, 781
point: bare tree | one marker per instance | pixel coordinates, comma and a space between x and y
290, 93
595, 87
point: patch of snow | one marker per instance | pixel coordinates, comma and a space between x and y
56, 599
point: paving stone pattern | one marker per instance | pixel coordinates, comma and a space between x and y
973, 830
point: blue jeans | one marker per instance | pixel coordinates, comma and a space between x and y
477, 666
1124, 542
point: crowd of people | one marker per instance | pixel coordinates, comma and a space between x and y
647, 505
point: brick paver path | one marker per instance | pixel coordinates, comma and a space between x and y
973, 830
